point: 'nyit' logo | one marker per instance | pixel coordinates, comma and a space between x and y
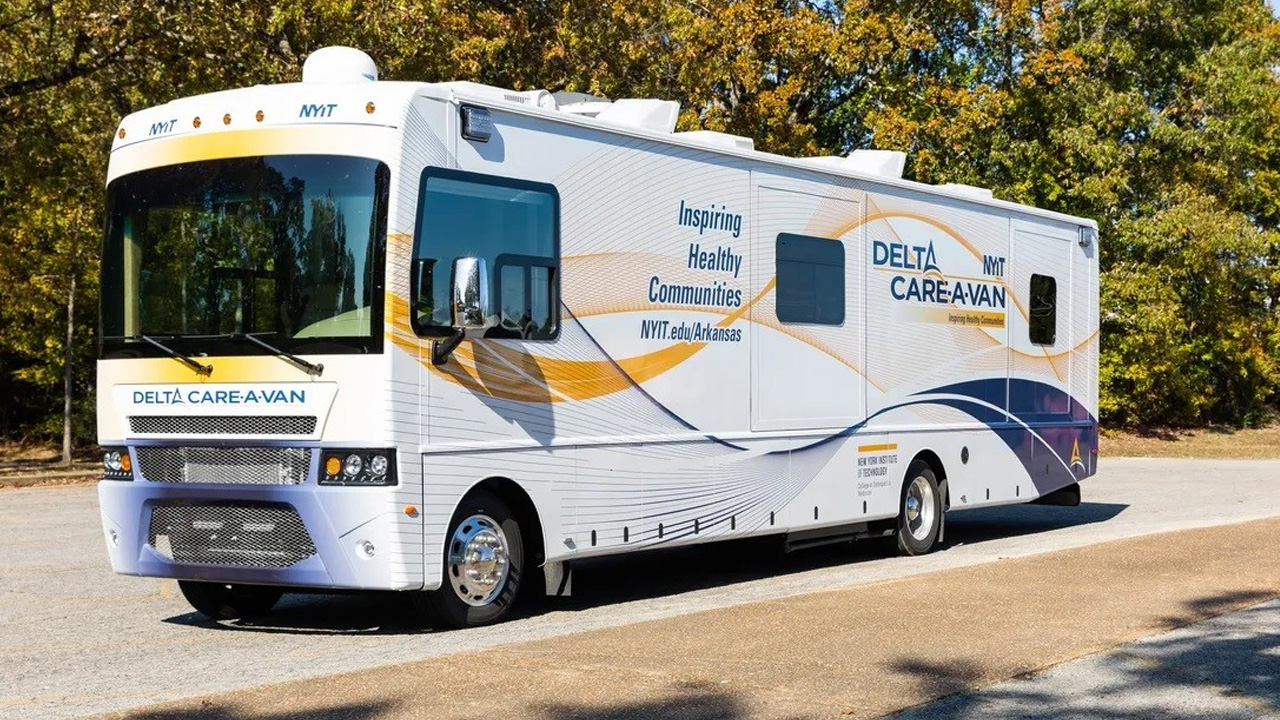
165, 126
316, 110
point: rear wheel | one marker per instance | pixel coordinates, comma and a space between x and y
223, 601
920, 514
483, 566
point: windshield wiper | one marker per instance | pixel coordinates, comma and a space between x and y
311, 368
205, 370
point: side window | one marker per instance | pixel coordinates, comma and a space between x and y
810, 280
513, 225
1042, 322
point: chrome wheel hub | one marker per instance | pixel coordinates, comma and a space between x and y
478, 560
920, 507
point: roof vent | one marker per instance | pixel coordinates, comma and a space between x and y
535, 98
719, 139
655, 115
566, 97
337, 65
587, 106
969, 191
888, 163
539, 98
885, 163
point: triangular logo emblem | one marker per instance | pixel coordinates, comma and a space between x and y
1075, 452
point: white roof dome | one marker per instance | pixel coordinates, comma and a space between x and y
338, 64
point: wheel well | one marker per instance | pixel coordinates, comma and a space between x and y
526, 514
939, 470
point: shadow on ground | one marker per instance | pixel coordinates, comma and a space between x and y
691, 702
695, 702
350, 711
1226, 669
659, 573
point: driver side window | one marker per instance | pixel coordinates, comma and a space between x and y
514, 225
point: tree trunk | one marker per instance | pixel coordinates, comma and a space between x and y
67, 374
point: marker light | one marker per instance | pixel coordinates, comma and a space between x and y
126, 465
196, 123
121, 133
332, 465
369, 108
477, 123
352, 466
259, 116
226, 119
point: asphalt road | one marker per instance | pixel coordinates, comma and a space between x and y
1226, 668
77, 640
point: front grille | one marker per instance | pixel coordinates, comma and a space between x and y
223, 424
224, 465
241, 535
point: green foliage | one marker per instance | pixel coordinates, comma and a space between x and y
1159, 118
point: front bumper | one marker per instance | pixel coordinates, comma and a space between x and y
340, 521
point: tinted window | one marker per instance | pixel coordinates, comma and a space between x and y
1043, 314
513, 226
810, 280
285, 247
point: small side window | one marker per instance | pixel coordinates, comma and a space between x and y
526, 296
810, 280
1043, 313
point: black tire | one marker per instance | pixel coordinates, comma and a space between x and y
446, 607
224, 601
917, 535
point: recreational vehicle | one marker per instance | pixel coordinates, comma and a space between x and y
450, 339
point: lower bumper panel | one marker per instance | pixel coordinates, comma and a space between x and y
300, 536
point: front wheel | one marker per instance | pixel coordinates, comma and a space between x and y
483, 566
223, 601
920, 514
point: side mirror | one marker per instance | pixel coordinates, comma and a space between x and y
468, 306
468, 309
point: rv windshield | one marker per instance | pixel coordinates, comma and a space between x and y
288, 248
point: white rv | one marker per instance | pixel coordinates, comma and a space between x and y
448, 339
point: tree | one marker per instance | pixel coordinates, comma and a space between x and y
1158, 118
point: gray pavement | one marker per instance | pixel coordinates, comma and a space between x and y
1227, 668
78, 640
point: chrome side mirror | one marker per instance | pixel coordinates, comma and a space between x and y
468, 309
468, 306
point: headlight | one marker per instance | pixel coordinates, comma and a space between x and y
352, 466
359, 467
116, 464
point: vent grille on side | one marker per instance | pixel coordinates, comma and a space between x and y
239, 535
222, 424
224, 465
